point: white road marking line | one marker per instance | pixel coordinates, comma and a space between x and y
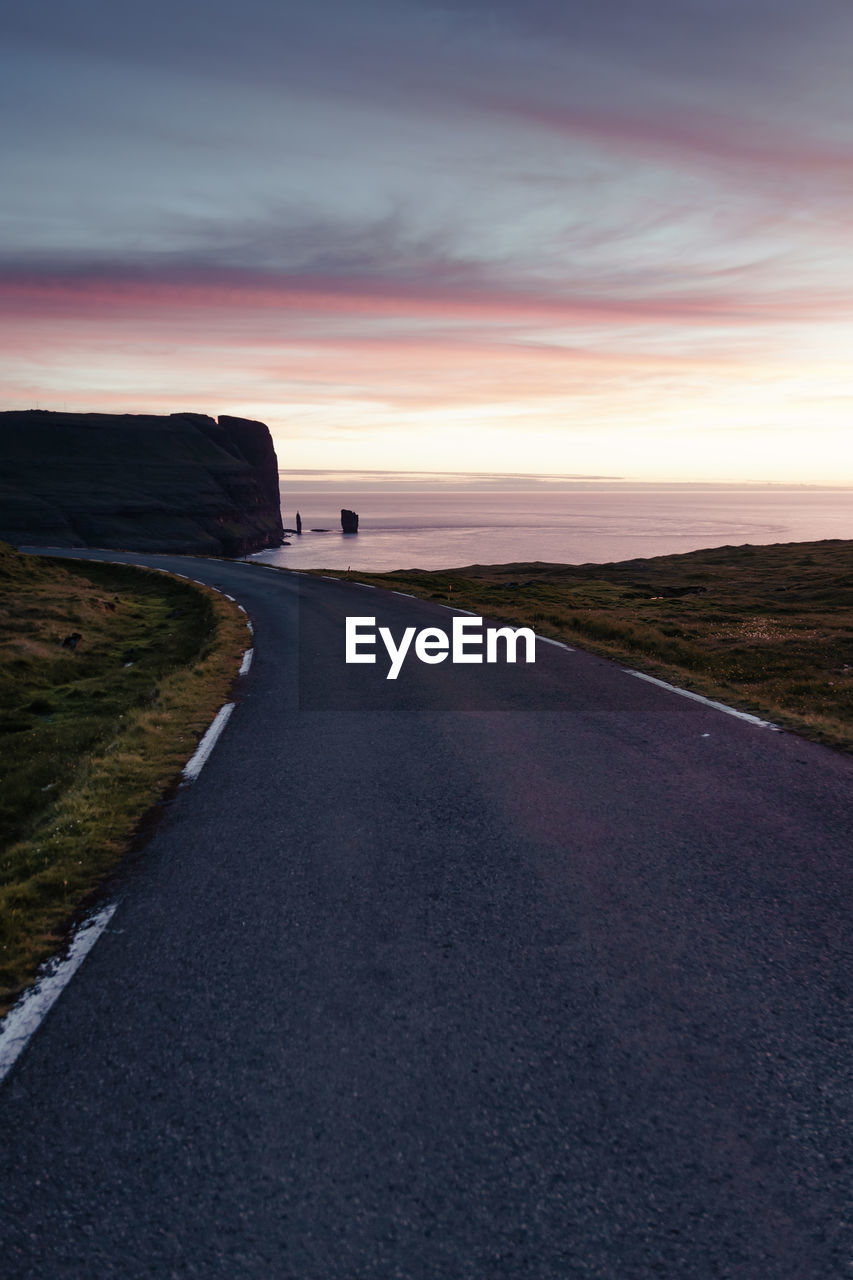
407, 594
557, 643
220, 592
25, 1018
369, 585
327, 577
709, 702
469, 612
194, 766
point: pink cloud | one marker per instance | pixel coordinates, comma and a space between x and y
686, 134
223, 301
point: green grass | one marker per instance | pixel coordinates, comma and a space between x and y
91, 737
765, 629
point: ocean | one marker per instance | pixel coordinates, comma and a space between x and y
428, 523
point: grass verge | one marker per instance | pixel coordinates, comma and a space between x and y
92, 731
764, 629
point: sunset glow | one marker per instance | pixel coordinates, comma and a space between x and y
607, 239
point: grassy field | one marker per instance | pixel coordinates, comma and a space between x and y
765, 629
92, 731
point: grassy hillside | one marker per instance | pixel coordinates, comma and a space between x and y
179, 483
92, 730
766, 629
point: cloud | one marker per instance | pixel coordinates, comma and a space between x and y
371, 207
416, 292
698, 137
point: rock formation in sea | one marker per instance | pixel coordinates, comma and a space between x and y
183, 482
349, 521
298, 523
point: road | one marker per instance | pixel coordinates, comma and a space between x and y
533, 971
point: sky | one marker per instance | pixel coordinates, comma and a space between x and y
544, 236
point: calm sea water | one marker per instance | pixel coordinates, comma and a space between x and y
444, 527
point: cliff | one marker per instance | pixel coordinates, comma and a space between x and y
182, 483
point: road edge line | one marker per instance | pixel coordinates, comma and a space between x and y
198, 760
24, 1018
558, 644
709, 702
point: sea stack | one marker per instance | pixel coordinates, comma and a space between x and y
349, 521
298, 523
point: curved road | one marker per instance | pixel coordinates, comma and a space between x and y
534, 971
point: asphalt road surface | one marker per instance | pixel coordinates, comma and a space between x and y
533, 971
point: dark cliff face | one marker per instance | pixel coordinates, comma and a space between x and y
180, 483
